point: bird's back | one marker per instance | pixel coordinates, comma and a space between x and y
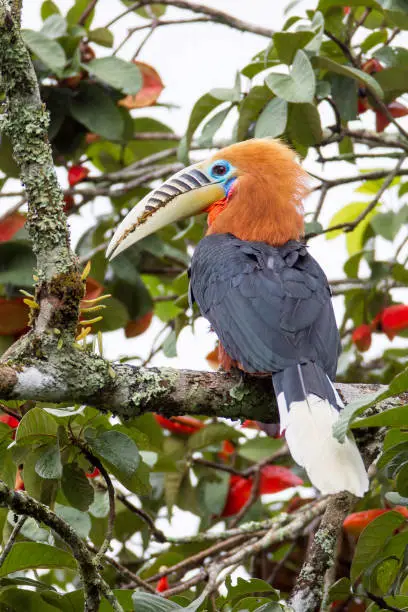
270, 306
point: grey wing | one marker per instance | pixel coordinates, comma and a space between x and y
270, 307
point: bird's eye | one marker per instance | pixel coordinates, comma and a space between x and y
220, 169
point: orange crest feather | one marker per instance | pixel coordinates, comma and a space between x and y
266, 202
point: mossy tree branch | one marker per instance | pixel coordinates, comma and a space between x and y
24, 120
22, 504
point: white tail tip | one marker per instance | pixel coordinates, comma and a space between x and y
331, 466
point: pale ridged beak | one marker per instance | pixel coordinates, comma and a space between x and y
186, 193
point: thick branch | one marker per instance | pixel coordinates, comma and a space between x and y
308, 592
25, 121
76, 376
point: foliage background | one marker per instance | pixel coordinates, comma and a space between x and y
57, 448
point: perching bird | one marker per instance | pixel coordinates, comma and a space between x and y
265, 296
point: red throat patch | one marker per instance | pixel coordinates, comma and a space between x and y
215, 209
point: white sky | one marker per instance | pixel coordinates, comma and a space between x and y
192, 59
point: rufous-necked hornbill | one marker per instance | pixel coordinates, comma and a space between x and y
265, 296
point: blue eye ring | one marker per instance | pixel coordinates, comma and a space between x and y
220, 169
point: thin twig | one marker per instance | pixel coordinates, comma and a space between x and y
214, 14
12, 538
87, 12
144, 41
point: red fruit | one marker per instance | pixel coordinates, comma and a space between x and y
361, 337
90, 138
72, 82
9, 420
180, 425
10, 226
362, 105
346, 10
76, 174
276, 478
357, 521
396, 109
69, 203
162, 585
238, 494
250, 424
87, 53
138, 326
393, 319
228, 449
93, 474
150, 91
19, 482
372, 66
13, 316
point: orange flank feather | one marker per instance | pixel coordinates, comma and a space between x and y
266, 202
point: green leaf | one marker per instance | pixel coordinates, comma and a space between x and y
49, 464
212, 434
32, 555
249, 109
326, 5
76, 487
214, 493
116, 449
348, 214
394, 81
299, 86
340, 590
80, 521
375, 38
48, 51
17, 262
201, 109
402, 480
392, 57
393, 417
48, 8
94, 108
211, 127
7, 164
35, 425
101, 36
344, 92
341, 426
225, 94
358, 75
372, 540
170, 345
287, 43
147, 602
304, 124
388, 224
259, 448
75, 13
246, 587
114, 71
272, 120
54, 26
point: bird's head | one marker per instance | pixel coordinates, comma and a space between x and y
253, 190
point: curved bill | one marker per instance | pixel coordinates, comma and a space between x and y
185, 194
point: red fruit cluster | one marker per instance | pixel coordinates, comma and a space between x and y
76, 174
274, 478
355, 523
395, 109
389, 321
